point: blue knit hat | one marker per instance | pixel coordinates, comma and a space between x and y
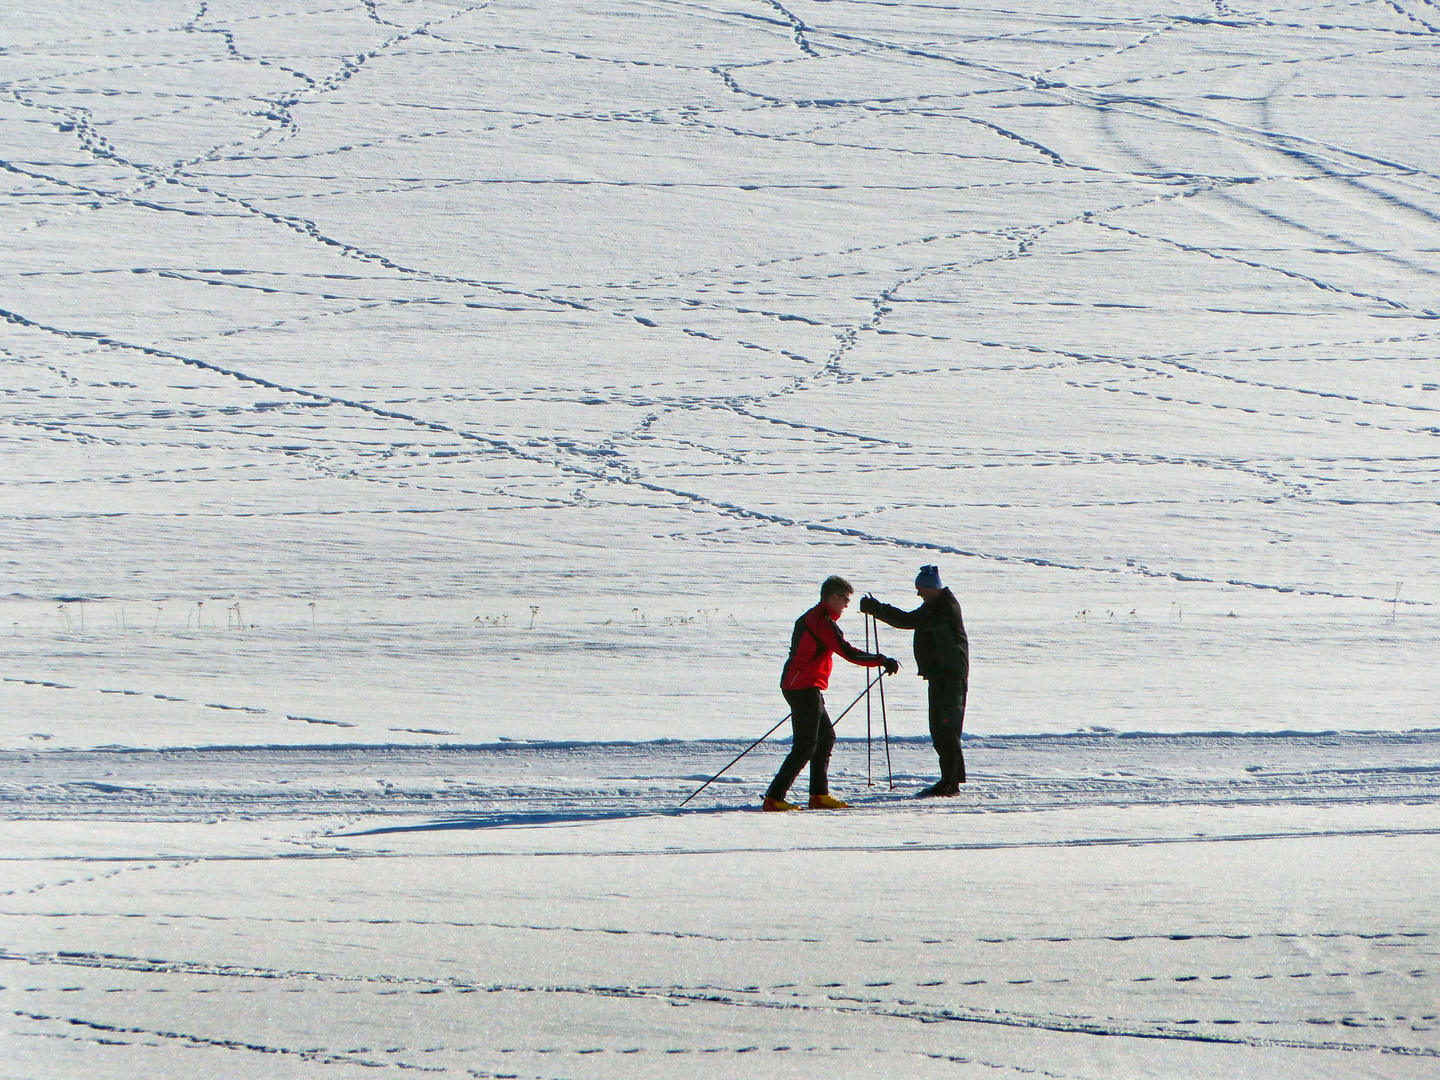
928, 578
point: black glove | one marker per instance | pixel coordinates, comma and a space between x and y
868, 605
890, 664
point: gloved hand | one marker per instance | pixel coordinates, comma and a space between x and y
868, 605
890, 664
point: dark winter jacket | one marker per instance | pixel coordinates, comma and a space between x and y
813, 646
941, 647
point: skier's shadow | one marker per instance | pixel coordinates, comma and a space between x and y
538, 819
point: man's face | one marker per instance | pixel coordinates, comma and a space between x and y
927, 594
837, 603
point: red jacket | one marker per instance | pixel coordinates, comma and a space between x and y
813, 646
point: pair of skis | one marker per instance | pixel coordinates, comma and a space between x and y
885, 726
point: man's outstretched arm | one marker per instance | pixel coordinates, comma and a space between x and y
836, 641
892, 616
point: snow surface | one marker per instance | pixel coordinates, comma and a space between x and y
423, 422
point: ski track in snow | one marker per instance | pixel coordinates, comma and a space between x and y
613, 459
494, 786
885, 988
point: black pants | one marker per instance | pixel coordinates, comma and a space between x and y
814, 738
947, 718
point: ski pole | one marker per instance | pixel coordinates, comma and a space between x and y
836, 722
738, 756
868, 781
884, 723
767, 734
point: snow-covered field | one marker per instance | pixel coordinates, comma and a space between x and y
422, 423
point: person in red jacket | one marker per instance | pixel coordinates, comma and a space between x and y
813, 646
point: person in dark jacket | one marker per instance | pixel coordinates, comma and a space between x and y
813, 645
942, 655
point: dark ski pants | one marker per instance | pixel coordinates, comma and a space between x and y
814, 738
947, 718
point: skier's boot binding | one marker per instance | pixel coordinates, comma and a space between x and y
827, 802
775, 805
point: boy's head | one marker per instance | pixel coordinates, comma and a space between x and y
835, 594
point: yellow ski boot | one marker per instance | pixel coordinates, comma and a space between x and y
776, 805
